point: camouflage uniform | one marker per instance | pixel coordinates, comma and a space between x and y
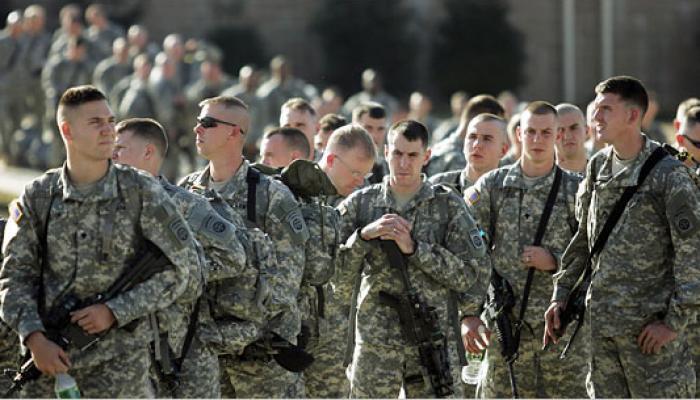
457, 180
60, 74
510, 210
224, 258
9, 342
37, 52
102, 39
138, 101
447, 155
647, 271
109, 72
90, 238
278, 215
449, 256
12, 51
275, 93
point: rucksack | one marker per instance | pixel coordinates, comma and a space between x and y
310, 186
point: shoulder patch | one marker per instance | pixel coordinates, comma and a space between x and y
476, 239
684, 221
295, 221
472, 195
178, 230
16, 212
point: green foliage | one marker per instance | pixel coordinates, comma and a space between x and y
239, 45
477, 49
356, 35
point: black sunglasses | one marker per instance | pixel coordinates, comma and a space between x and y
696, 143
211, 122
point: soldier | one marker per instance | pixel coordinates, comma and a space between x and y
372, 92
457, 102
688, 133
571, 149
326, 126
508, 203
486, 143
211, 83
442, 246
281, 146
220, 134
142, 143
102, 32
12, 50
38, 43
113, 69
137, 100
298, 113
347, 160
448, 154
9, 342
245, 89
282, 86
88, 218
372, 117
643, 291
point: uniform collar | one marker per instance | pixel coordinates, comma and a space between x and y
386, 199
515, 178
629, 175
105, 189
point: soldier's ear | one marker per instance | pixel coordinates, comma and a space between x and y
149, 151
65, 129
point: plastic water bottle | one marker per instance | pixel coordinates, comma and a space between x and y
470, 372
66, 387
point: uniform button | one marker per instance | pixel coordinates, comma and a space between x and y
82, 234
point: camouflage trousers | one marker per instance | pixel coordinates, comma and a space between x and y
619, 369
198, 378
538, 373
379, 371
693, 334
124, 376
326, 377
258, 379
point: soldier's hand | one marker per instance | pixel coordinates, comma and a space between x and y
551, 323
93, 319
654, 336
48, 357
400, 232
387, 224
538, 258
475, 336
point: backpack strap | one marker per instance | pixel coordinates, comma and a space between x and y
253, 179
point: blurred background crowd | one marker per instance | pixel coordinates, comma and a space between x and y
419, 59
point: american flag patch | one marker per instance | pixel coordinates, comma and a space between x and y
472, 196
16, 211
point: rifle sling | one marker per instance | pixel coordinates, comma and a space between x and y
541, 228
657, 155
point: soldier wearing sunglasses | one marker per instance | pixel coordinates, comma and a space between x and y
688, 136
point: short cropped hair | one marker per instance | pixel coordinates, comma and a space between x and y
79, 95
331, 122
686, 105
480, 104
375, 111
299, 104
293, 138
566, 108
350, 137
147, 129
541, 108
692, 117
225, 101
631, 91
410, 129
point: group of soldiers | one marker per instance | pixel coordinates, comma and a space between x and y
359, 257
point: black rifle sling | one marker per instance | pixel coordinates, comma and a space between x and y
657, 155
189, 336
252, 178
541, 228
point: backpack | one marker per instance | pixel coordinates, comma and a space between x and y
310, 185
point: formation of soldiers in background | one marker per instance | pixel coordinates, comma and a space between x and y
281, 283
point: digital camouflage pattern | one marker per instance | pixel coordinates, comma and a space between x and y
447, 155
647, 271
223, 257
278, 215
456, 180
509, 210
85, 259
449, 255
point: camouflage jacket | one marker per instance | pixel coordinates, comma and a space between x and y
510, 213
448, 155
456, 179
90, 239
650, 266
277, 214
449, 256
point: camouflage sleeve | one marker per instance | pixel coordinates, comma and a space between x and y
353, 248
682, 200
163, 225
20, 271
573, 260
286, 228
461, 262
478, 200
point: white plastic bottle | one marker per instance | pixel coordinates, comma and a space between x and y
66, 387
